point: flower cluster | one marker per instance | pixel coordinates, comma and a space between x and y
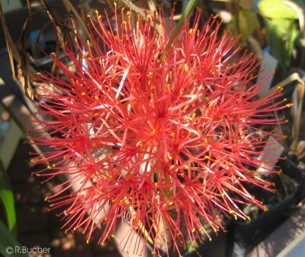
161, 137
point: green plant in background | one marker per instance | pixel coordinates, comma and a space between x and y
244, 20
8, 242
7, 197
281, 28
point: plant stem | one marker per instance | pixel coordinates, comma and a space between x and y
189, 8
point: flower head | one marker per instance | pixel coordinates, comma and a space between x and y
160, 137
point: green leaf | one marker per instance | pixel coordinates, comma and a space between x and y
188, 9
7, 197
276, 9
248, 23
8, 243
281, 35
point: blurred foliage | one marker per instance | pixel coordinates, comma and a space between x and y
7, 197
277, 25
281, 29
8, 243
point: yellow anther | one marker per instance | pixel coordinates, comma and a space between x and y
83, 93
280, 88
207, 157
186, 67
113, 236
169, 156
193, 230
171, 203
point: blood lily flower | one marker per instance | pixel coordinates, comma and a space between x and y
164, 137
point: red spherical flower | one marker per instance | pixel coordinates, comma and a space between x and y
158, 136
